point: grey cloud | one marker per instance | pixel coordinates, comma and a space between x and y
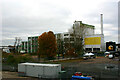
110, 17
109, 11
19, 20
17, 25
113, 38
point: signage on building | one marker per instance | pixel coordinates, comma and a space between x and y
92, 41
110, 46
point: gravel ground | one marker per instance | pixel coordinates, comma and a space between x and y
96, 67
89, 65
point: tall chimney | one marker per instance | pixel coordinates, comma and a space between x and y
101, 23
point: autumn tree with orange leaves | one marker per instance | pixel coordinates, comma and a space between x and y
47, 45
70, 53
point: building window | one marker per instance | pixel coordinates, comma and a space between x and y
66, 34
71, 35
96, 49
71, 39
29, 39
88, 49
66, 39
77, 39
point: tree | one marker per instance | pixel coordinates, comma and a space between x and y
47, 45
79, 30
70, 53
59, 45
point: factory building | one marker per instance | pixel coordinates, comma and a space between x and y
92, 42
78, 30
95, 42
74, 34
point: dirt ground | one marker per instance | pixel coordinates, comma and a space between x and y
7, 74
98, 60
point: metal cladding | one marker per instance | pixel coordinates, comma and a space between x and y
39, 70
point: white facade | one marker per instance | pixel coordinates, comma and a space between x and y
81, 28
89, 31
39, 70
65, 35
78, 28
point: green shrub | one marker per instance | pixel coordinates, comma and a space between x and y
11, 60
33, 53
100, 53
14, 60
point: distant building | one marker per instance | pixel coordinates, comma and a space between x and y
79, 29
59, 41
82, 28
92, 42
24, 46
58, 36
33, 44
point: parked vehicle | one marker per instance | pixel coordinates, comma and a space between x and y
22, 51
80, 76
107, 53
110, 56
117, 54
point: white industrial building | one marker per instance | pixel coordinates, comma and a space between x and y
92, 42
95, 42
79, 29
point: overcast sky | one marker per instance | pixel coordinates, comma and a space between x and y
23, 18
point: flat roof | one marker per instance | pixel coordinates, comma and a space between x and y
39, 64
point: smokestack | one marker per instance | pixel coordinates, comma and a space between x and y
101, 23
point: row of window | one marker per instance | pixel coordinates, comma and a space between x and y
68, 34
71, 39
94, 49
